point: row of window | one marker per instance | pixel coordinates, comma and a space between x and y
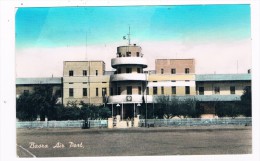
128, 70
128, 91
84, 73
85, 92
128, 54
217, 90
173, 71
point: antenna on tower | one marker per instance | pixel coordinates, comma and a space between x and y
129, 40
86, 46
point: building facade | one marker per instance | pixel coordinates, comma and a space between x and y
126, 89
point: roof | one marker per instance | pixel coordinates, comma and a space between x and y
207, 98
223, 77
48, 80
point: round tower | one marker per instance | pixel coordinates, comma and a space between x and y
129, 81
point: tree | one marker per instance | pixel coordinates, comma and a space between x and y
41, 102
246, 102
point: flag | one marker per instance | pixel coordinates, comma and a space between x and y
124, 37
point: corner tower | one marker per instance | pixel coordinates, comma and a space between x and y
129, 81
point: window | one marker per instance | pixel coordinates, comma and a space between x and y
85, 92
119, 71
128, 54
129, 90
85, 82
139, 90
96, 72
137, 54
118, 90
216, 90
147, 90
128, 70
187, 80
111, 91
85, 73
104, 92
119, 55
173, 89
71, 73
70, 82
71, 92
187, 89
96, 91
155, 90
162, 90
187, 70
173, 71
232, 90
138, 70
201, 90
161, 71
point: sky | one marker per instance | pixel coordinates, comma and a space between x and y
218, 37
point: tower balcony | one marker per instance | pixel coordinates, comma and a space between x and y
129, 61
129, 77
129, 99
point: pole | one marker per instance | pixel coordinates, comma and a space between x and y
134, 109
146, 100
122, 111
112, 110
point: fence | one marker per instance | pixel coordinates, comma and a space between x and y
150, 122
196, 122
61, 124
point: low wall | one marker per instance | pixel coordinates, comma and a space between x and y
60, 124
150, 122
196, 122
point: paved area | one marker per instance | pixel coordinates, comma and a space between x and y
73, 142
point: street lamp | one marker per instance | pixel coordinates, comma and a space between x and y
146, 100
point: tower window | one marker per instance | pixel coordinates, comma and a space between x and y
161, 71
139, 90
137, 54
128, 70
128, 54
129, 90
118, 90
118, 70
138, 70
96, 72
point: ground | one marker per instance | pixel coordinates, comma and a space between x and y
74, 142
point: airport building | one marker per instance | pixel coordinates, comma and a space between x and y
130, 85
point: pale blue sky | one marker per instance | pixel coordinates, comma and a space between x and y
45, 37
67, 26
